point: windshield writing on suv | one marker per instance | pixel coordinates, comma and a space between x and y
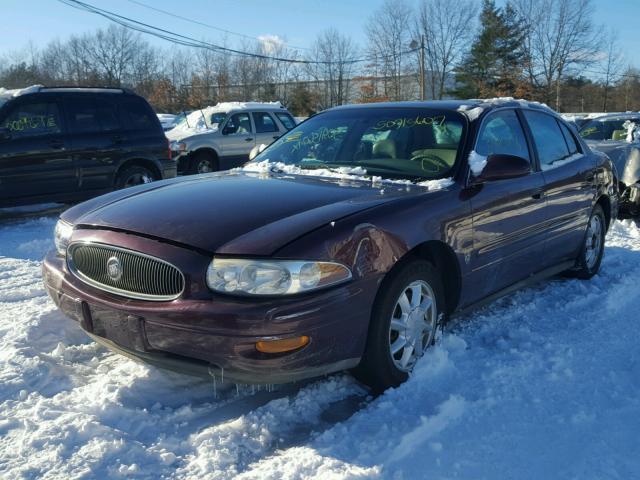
390, 142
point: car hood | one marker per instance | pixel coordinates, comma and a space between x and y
233, 212
182, 134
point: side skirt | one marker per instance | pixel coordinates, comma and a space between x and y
531, 280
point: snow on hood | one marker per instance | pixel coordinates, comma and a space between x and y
6, 95
343, 173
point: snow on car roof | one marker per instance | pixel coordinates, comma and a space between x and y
6, 94
198, 121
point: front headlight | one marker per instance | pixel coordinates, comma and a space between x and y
178, 146
61, 236
273, 277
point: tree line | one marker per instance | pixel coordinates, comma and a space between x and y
547, 50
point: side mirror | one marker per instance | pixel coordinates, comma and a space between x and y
256, 150
5, 134
502, 167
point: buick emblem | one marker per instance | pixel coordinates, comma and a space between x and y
114, 269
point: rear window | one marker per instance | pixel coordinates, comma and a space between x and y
92, 115
138, 115
264, 123
390, 142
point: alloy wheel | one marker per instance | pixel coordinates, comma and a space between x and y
413, 324
593, 242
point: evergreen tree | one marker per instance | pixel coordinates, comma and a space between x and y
494, 65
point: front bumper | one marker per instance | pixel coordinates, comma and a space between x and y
217, 336
169, 168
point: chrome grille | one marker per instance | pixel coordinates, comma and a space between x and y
140, 276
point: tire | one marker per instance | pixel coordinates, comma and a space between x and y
203, 162
380, 367
592, 249
134, 175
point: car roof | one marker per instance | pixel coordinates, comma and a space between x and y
7, 95
472, 108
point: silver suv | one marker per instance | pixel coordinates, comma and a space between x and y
221, 137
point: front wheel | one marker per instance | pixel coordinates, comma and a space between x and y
203, 162
404, 323
592, 249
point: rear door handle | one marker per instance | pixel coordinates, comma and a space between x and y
538, 195
275, 137
248, 139
56, 144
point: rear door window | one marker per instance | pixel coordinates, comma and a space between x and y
264, 123
548, 138
572, 143
92, 115
138, 115
33, 120
502, 134
286, 120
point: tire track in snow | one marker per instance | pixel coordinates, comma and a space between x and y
542, 384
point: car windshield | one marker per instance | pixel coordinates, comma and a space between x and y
606, 129
194, 118
410, 143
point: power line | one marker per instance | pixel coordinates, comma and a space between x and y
212, 27
192, 42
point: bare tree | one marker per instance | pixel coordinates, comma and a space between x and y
560, 37
389, 34
612, 64
113, 51
334, 53
447, 28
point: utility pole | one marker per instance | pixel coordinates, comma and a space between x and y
421, 64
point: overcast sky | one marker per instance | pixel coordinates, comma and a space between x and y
297, 21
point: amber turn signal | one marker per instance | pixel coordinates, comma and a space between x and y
283, 345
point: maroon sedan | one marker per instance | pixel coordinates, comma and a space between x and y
345, 244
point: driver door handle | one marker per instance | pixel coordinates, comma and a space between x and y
248, 139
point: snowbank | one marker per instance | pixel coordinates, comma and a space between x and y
541, 384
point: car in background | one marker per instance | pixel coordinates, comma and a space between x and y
221, 137
608, 126
345, 244
69, 144
167, 120
618, 136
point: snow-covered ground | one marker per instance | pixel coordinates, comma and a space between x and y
543, 384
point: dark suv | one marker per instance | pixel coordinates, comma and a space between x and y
69, 144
